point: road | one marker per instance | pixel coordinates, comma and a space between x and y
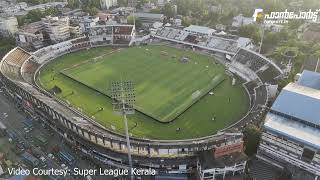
13, 119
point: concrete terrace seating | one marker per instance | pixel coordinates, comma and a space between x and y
121, 40
12, 63
250, 60
269, 74
205, 41
80, 40
191, 39
17, 57
80, 43
264, 68
98, 31
122, 30
28, 69
261, 95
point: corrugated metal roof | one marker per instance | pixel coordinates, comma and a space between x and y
293, 130
300, 102
200, 29
310, 79
149, 15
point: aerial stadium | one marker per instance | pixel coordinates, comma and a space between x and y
184, 82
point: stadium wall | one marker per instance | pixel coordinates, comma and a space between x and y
79, 131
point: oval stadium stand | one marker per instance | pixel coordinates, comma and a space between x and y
19, 68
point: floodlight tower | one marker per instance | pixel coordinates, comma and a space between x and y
123, 99
262, 36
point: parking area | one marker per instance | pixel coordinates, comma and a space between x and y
29, 143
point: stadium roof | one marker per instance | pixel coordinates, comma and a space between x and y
293, 130
149, 15
200, 29
300, 102
310, 79
243, 42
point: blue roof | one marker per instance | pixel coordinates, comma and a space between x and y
299, 102
310, 79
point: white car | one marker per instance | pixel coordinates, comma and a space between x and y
64, 166
51, 156
43, 159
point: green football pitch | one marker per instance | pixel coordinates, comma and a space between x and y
170, 94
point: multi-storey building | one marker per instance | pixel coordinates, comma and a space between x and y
87, 22
30, 36
57, 28
291, 132
225, 160
106, 4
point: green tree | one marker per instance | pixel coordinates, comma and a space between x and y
36, 15
295, 24
137, 20
51, 12
92, 11
6, 44
123, 3
250, 31
155, 11
168, 10
88, 4
271, 38
186, 21
251, 139
73, 4
35, 2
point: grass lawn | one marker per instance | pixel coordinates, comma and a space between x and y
165, 88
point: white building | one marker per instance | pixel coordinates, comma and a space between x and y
240, 20
162, 2
106, 4
274, 27
223, 162
291, 131
57, 28
8, 26
30, 36
33, 39
177, 22
87, 22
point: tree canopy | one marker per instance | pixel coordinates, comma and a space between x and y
168, 10
251, 139
250, 31
91, 6
36, 15
138, 21
73, 4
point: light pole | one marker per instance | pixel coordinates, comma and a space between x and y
123, 99
262, 36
